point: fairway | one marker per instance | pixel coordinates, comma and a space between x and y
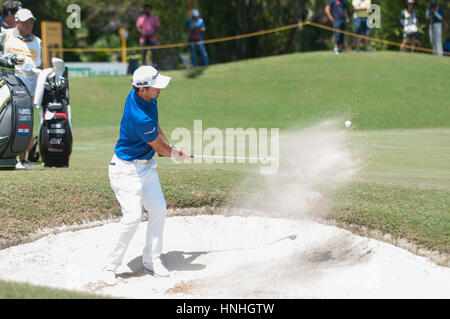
386, 90
399, 105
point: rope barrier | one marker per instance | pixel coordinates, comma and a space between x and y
299, 25
321, 26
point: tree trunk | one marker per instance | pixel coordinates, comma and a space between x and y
242, 44
297, 15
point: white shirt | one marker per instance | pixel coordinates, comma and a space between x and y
361, 8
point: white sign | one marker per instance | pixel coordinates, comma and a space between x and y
97, 68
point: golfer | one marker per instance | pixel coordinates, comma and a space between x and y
133, 176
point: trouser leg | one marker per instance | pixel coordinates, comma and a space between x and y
193, 54
155, 204
438, 38
204, 54
127, 187
432, 41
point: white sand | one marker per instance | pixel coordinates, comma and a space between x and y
232, 257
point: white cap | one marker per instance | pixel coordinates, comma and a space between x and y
195, 13
411, 1
23, 15
147, 75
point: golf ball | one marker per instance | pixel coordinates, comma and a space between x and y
348, 123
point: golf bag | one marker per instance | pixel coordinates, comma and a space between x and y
16, 114
55, 122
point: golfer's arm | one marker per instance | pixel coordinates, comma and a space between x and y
161, 146
160, 132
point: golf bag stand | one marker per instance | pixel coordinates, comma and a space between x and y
16, 114
55, 123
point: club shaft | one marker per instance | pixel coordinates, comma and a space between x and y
233, 157
230, 157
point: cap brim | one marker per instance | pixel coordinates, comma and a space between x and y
161, 82
32, 17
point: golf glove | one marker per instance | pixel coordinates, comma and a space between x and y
178, 155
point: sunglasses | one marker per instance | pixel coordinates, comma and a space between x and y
12, 11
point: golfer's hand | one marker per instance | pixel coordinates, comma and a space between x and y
179, 155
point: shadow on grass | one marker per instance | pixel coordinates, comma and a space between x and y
195, 73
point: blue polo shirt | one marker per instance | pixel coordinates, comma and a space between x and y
138, 127
195, 35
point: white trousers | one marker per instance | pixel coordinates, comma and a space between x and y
136, 185
435, 32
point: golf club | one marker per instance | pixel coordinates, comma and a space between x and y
232, 157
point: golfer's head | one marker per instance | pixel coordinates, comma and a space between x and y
148, 82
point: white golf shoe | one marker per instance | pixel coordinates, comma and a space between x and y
156, 268
22, 165
109, 277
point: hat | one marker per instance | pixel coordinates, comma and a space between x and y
195, 13
24, 14
11, 7
410, 1
147, 75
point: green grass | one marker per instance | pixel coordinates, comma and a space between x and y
10, 290
399, 105
385, 90
419, 214
413, 156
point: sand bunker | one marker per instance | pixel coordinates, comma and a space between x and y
232, 257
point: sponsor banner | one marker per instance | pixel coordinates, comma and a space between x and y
97, 68
23, 130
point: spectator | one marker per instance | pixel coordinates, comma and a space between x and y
195, 27
337, 12
23, 43
434, 15
148, 25
410, 22
9, 9
361, 13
